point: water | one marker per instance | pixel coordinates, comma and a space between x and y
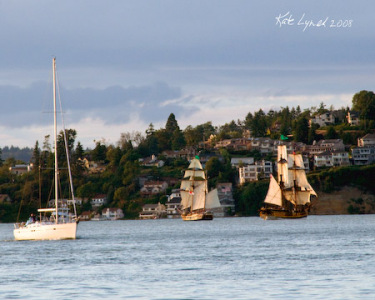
320, 257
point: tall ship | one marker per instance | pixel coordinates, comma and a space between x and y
196, 201
289, 195
54, 223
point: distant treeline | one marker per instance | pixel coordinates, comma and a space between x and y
19, 154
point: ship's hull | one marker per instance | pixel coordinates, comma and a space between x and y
274, 214
46, 231
200, 216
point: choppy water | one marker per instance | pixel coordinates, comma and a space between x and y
320, 257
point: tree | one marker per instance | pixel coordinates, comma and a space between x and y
331, 133
99, 152
364, 103
78, 153
1, 160
213, 167
257, 124
171, 125
178, 140
301, 130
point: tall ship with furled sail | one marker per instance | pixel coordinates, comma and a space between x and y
289, 195
196, 201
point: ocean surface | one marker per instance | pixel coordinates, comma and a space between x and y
320, 257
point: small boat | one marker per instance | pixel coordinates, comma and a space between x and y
289, 196
196, 202
59, 225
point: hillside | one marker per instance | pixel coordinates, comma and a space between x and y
346, 200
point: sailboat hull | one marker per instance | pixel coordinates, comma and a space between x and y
273, 214
46, 231
202, 216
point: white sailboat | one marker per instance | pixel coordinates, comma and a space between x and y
289, 196
196, 202
59, 228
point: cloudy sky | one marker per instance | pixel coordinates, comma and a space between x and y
124, 64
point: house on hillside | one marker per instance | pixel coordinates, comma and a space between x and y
363, 155
153, 211
331, 158
85, 216
323, 146
241, 161
93, 167
99, 200
151, 161
21, 169
153, 188
173, 204
249, 173
225, 194
367, 141
353, 118
328, 118
112, 213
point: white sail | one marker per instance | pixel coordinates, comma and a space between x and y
297, 173
195, 173
274, 195
282, 165
185, 185
212, 199
302, 197
195, 164
185, 199
199, 197
290, 195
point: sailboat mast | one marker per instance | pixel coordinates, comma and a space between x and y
55, 136
192, 195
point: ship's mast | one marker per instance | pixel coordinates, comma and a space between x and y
55, 136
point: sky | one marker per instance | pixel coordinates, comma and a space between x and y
122, 65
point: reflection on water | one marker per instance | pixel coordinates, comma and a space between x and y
320, 257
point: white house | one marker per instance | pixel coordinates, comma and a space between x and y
353, 118
237, 161
363, 155
331, 158
112, 213
98, 200
250, 173
154, 187
367, 141
21, 169
151, 161
323, 159
153, 211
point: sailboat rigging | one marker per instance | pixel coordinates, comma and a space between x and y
289, 195
56, 227
196, 201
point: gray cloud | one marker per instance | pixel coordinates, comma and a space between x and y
115, 104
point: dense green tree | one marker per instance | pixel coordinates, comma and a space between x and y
163, 140
79, 152
257, 124
171, 124
364, 103
213, 167
99, 152
301, 130
312, 133
331, 133
178, 140
1, 160
113, 156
